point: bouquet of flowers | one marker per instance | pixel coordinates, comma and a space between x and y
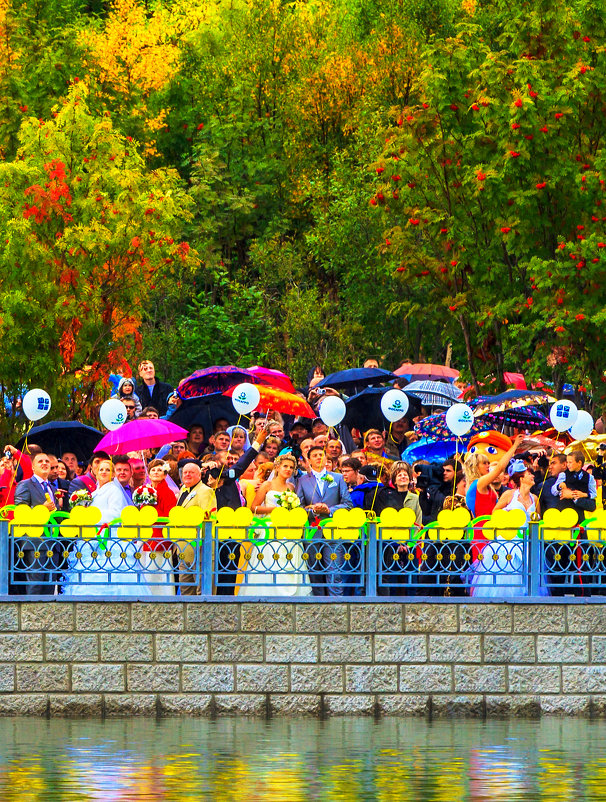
328, 479
288, 499
80, 498
145, 495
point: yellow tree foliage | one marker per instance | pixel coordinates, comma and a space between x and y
133, 56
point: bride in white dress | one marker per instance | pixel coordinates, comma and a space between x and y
97, 568
275, 568
507, 574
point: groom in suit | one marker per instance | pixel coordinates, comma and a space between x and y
39, 572
323, 492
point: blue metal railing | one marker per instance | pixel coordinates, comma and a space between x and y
270, 561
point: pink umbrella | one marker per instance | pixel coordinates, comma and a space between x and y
138, 435
515, 379
275, 378
427, 371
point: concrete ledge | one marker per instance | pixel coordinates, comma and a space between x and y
314, 657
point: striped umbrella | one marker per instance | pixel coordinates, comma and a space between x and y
434, 394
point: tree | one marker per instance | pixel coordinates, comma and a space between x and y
89, 231
482, 178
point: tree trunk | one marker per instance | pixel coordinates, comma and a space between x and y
469, 351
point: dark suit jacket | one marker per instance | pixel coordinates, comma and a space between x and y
62, 500
78, 483
157, 398
30, 492
227, 494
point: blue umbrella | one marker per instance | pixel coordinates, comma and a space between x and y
60, 436
354, 379
434, 450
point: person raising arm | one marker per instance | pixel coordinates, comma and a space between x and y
481, 498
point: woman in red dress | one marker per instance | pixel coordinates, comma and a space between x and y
480, 498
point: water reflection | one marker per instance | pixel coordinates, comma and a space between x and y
183, 760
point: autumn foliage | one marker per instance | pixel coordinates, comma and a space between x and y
300, 183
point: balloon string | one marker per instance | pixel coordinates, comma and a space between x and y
454, 478
380, 470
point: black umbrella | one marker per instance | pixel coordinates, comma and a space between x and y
60, 436
354, 379
205, 411
364, 409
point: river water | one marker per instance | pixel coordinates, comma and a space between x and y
302, 759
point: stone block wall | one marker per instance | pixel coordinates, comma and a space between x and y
61, 658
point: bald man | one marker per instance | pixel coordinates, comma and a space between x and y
194, 493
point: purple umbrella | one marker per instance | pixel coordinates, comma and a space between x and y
138, 435
434, 426
217, 379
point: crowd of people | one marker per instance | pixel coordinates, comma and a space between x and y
273, 461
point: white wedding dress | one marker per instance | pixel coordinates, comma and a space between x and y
106, 566
503, 569
269, 571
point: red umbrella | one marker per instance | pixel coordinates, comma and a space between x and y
275, 378
272, 398
138, 435
427, 371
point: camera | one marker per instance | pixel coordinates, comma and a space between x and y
296, 450
429, 474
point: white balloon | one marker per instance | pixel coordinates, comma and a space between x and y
394, 405
563, 415
113, 414
583, 426
36, 404
245, 398
332, 410
459, 419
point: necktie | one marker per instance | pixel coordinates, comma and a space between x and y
182, 497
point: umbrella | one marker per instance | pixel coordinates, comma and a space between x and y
214, 380
434, 394
138, 435
280, 401
427, 371
434, 450
204, 411
435, 428
60, 436
510, 399
364, 408
355, 379
517, 379
516, 417
274, 378
539, 441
